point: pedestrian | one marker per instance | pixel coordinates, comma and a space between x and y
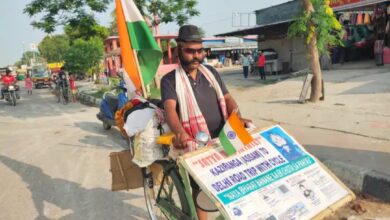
245, 62
73, 87
261, 64
28, 84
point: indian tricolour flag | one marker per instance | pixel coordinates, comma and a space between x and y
140, 53
234, 136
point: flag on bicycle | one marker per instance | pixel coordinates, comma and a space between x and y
234, 136
134, 34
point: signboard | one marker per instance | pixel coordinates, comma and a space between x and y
272, 178
305, 88
336, 3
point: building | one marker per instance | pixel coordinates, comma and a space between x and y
272, 26
217, 49
227, 50
112, 57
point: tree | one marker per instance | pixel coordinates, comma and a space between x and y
31, 57
85, 27
178, 11
84, 55
62, 12
162, 11
318, 25
18, 63
53, 48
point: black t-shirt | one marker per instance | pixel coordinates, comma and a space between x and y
205, 96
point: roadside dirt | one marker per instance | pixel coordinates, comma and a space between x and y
363, 208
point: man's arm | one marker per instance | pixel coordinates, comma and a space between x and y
174, 124
231, 105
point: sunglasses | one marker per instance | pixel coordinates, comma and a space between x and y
193, 51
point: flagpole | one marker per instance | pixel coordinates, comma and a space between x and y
145, 95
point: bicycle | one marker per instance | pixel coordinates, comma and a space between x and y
62, 93
171, 198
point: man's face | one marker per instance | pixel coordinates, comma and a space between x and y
191, 55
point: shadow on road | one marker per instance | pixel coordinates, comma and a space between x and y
95, 203
99, 141
288, 102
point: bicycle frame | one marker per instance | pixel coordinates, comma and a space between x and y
172, 212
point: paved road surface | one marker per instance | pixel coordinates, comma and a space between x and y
54, 163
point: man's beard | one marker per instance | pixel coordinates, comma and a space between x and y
185, 63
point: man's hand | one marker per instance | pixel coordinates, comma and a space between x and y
180, 140
246, 122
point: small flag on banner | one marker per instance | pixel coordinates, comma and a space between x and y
234, 136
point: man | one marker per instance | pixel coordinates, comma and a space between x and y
245, 62
194, 96
261, 64
61, 79
7, 80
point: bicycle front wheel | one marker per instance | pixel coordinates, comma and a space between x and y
65, 95
164, 193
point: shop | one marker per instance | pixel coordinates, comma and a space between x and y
366, 23
221, 51
367, 34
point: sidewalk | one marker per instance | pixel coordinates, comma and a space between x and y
349, 131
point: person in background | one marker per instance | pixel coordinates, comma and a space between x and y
8, 79
261, 64
28, 84
245, 62
73, 87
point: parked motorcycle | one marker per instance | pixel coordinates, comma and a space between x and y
110, 104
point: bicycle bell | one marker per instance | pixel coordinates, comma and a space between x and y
202, 138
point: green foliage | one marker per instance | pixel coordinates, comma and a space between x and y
85, 27
114, 81
113, 28
53, 48
95, 69
84, 55
322, 22
18, 63
178, 11
28, 56
61, 12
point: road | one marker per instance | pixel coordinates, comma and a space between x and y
54, 160
54, 163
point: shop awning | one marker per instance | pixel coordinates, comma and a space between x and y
356, 5
274, 30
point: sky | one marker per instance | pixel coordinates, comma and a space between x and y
216, 16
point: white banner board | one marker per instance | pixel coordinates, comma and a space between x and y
272, 178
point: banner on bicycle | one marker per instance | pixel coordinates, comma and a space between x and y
273, 177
